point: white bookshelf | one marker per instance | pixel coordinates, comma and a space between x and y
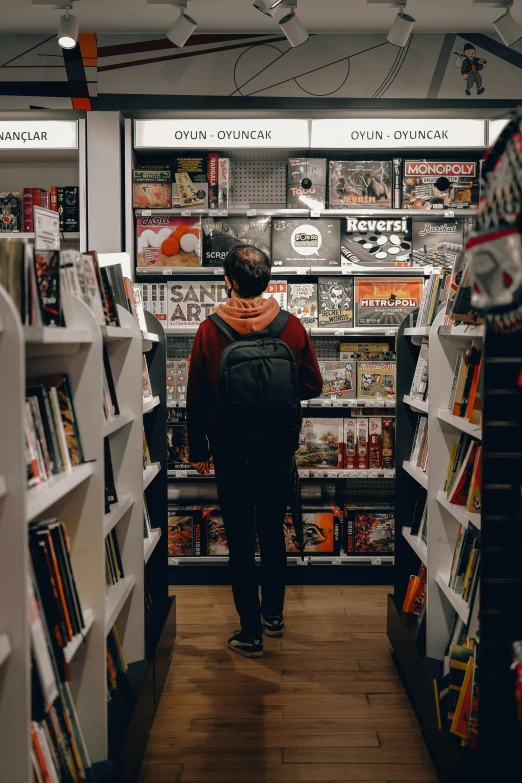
417, 544
418, 405
416, 473
149, 544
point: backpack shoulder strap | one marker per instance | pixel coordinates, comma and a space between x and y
223, 327
276, 328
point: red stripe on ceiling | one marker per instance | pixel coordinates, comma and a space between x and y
164, 43
81, 104
135, 63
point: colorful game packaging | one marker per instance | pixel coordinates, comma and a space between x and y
168, 241
369, 530
221, 235
306, 183
361, 183
385, 301
339, 380
440, 185
302, 302
374, 243
376, 380
306, 242
321, 531
335, 300
189, 303
320, 444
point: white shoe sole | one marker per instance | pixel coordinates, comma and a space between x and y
244, 653
273, 634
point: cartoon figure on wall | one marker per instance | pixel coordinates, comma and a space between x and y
470, 68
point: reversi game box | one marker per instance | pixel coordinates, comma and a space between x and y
385, 301
335, 301
339, 379
189, 303
437, 242
361, 183
440, 185
168, 241
184, 531
320, 444
371, 243
302, 302
306, 242
221, 235
369, 530
321, 531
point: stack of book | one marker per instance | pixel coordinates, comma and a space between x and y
465, 564
116, 663
464, 474
415, 598
466, 394
32, 280
419, 384
16, 207
431, 297
419, 451
113, 565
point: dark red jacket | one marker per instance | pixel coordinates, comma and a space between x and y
203, 385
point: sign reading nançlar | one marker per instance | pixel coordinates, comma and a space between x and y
38, 134
228, 133
407, 133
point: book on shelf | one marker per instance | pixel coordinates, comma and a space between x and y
460, 485
113, 564
419, 384
463, 475
419, 510
419, 451
146, 453
111, 496
474, 500
147, 527
465, 564
415, 598
431, 297
110, 399
459, 309
146, 384
118, 687
464, 394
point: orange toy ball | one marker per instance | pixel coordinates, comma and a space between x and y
170, 247
194, 231
180, 231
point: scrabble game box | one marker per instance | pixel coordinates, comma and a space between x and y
302, 302
385, 301
306, 242
440, 185
361, 183
375, 243
221, 235
335, 300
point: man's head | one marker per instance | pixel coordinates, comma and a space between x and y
469, 51
247, 271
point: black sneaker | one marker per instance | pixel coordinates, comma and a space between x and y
468, 92
482, 89
246, 645
274, 626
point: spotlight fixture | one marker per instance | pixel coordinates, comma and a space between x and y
68, 29
401, 28
507, 28
265, 9
183, 27
290, 24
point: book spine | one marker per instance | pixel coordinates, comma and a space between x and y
28, 210
397, 183
54, 198
213, 180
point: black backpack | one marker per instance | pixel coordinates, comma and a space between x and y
259, 388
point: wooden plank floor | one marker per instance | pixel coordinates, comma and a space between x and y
324, 704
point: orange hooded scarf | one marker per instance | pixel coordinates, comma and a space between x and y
248, 315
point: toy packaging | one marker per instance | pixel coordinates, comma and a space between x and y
213, 180
221, 235
388, 443
306, 183
177, 381
437, 242
320, 444
369, 530
190, 189
370, 352
177, 447
350, 444
306, 242
339, 380
11, 212
302, 302
215, 535
223, 183
361, 452
385, 301
361, 183
184, 530
375, 441
321, 531
168, 241
335, 300
278, 290
440, 185
375, 243
152, 188
189, 303
376, 380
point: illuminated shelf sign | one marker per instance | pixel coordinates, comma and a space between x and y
38, 135
406, 133
495, 128
228, 133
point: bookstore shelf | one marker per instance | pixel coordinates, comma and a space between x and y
458, 603
459, 513
74, 645
39, 499
150, 473
303, 473
417, 405
416, 473
116, 333
282, 271
149, 544
466, 331
371, 403
5, 648
293, 560
246, 211
115, 599
69, 236
117, 423
149, 405
3, 486
355, 330
417, 331
417, 544
459, 423
117, 511
55, 336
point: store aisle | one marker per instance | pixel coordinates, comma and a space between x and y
324, 704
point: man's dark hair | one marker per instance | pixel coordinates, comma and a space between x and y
248, 269
468, 46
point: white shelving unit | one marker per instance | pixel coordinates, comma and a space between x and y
417, 544
418, 474
418, 405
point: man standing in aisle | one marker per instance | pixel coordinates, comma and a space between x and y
251, 364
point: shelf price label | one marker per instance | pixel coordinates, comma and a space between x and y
315, 213
376, 561
251, 212
219, 270
146, 212
181, 474
222, 213
186, 213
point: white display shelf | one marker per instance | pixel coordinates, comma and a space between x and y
304, 474
3, 486
5, 648
115, 333
117, 423
74, 645
293, 560
39, 499
458, 603
417, 405
418, 331
239, 211
355, 330
459, 423
459, 513
466, 331
117, 511
149, 405
417, 473
417, 544
150, 473
149, 544
282, 212
147, 341
55, 335
115, 600
355, 403
67, 236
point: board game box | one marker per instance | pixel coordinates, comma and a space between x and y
221, 235
369, 530
388, 443
11, 211
339, 380
302, 302
374, 243
152, 188
306, 242
184, 530
437, 242
369, 352
376, 380
189, 303
190, 186
335, 300
321, 531
350, 444
440, 185
385, 301
361, 183
215, 535
300, 170
278, 290
320, 444
168, 241
177, 447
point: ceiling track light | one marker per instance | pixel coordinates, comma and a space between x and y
265, 9
507, 28
183, 27
401, 28
68, 29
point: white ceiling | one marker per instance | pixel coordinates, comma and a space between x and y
320, 16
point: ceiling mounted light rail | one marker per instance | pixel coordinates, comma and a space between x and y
184, 25
68, 26
402, 26
290, 24
507, 28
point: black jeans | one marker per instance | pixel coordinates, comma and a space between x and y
253, 495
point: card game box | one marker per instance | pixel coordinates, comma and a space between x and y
189, 303
152, 188
184, 530
11, 211
361, 183
369, 530
168, 241
335, 300
440, 185
320, 444
374, 243
306, 242
388, 443
190, 186
213, 179
221, 235
437, 242
68, 202
177, 447
361, 452
278, 290
375, 442
350, 444
321, 531
370, 352
306, 183
376, 380
224, 181
339, 380
177, 381
385, 301
215, 534
302, 302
